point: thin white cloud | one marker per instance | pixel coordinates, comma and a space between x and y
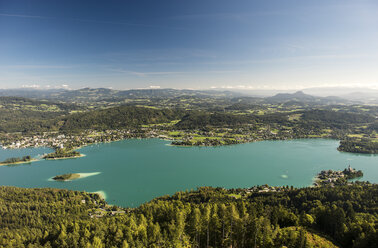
32, 86
295, 86
90, 21
145, 74
229, 16
24, 16
37, 66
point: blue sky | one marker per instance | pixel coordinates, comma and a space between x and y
188, 44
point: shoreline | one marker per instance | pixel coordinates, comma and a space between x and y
100, 193
175, 145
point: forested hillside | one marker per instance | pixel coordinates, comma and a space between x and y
118, 117
200, 120
110, 118
19, 114
344, 216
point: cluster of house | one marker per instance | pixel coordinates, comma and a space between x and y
330, 177
266, 188
105, 211
38, 141
61, 140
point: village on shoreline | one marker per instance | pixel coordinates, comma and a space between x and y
213, 137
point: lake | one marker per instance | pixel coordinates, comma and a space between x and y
131, 172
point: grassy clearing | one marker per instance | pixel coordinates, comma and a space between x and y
175, 133
166, 124
295, 117
355, 135
236, 196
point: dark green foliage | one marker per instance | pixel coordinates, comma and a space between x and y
279, 118
358, 146
19, 114
118, 117
208, 217
373, 126
335, 119
27, 121
62, 153
201, 120
243, 106
112, 118
17, 103
353, 174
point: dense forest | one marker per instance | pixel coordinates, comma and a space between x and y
27, 121
343, 216
118, 117
201, 120
358, 146
19, 114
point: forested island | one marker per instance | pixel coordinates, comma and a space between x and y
67, 177
342, 216
62, 153
21, 160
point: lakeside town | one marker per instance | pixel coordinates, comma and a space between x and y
56, 140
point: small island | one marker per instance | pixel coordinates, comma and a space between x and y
62, 153
332, 178
21, 160
67, 177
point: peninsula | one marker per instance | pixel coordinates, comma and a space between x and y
332, 178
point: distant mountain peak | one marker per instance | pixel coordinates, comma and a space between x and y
299, 92
300, 96
290, 96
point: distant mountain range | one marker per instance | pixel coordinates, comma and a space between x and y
91, 94
365, 95
300, 96
31, 93
310, 95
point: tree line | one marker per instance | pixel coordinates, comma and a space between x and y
343, 216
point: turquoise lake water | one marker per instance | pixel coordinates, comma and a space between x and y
132, 172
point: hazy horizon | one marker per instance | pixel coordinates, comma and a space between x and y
244, 45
